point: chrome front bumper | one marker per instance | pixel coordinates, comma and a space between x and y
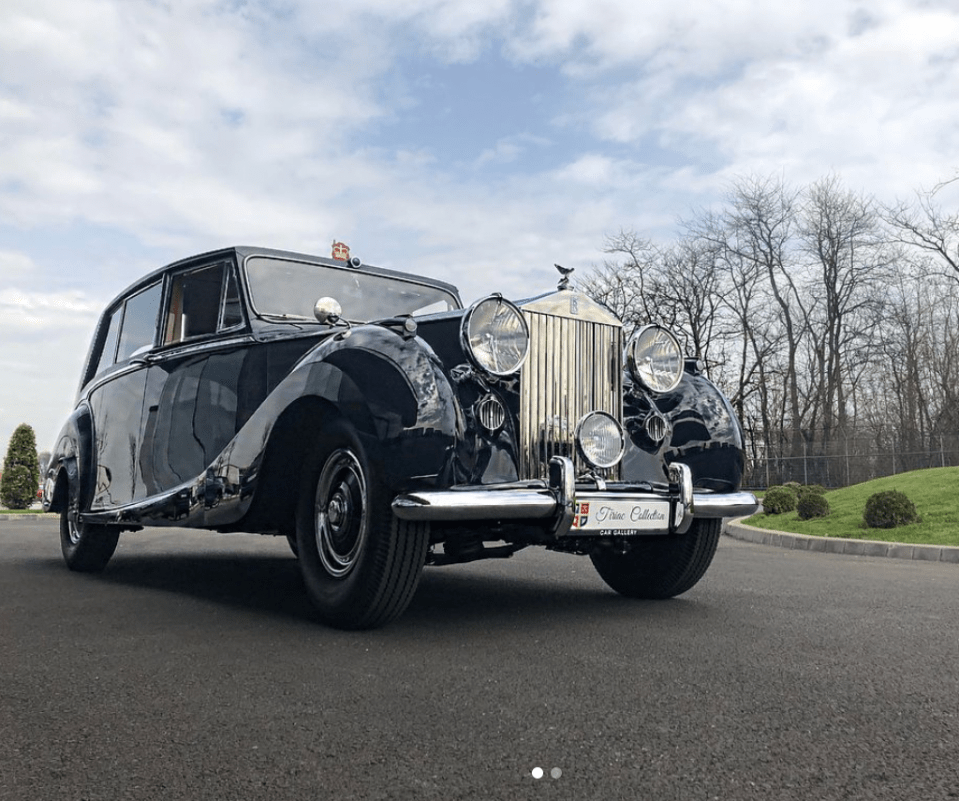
556, 500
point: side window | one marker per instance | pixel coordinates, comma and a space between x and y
202, 302
139, 322
232, 315
109, 349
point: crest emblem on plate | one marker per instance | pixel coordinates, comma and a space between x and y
581, 516
341, 251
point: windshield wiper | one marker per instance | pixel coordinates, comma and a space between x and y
298, 317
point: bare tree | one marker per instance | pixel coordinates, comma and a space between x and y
675, 286
923, 224
824, 311
840, 234
690, 290
750, 334
756, 228
620, 282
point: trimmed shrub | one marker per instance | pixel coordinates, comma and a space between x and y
811, 489
812, 504
888, 510
21, 470
779, 500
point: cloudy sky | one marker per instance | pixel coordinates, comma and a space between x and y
479, 142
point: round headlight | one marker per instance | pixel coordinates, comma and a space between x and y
495, 336
655, 359
600, 439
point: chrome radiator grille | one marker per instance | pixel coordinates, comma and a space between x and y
574, 367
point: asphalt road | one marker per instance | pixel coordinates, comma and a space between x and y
191, 669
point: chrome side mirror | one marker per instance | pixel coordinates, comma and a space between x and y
327, 310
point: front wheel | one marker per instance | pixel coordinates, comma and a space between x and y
661, 567
360, 563
86, 548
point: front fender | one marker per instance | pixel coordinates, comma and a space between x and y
394, 391
705, 433
391, 389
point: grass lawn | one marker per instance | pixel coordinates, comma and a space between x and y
935, 493
21, 511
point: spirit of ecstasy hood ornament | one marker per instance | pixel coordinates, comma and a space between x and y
565, 272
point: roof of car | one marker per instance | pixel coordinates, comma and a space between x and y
242, 252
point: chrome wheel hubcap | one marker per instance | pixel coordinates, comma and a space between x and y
73, 528
341, 513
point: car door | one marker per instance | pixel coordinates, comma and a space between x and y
116, 397
193, 402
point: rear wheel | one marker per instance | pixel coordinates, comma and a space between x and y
661, 568
86, 548
360, 563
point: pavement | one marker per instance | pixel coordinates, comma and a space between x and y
192, 669
778, 539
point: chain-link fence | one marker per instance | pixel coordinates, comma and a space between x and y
848, 458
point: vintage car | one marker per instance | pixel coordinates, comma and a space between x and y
368, 417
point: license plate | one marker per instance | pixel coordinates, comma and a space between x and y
611, 517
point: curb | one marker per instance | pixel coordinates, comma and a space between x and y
804, 542
32, 516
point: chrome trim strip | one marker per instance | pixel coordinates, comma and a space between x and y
728, 504
559, 501
570, 303
562, 480
684, 511
476, 504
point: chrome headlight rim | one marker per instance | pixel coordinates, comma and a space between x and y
468, 337
643, 340
588, 456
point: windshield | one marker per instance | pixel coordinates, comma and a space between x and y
288, 290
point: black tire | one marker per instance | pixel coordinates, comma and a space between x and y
661, 568
294, 545
361, 564
86, 548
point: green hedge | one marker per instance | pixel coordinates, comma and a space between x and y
779, 500
812, 504
889, 509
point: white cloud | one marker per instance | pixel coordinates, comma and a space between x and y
15, 266
684, 38
868, 106
181, 127
22, 312
45, 336
205, 121
511, 148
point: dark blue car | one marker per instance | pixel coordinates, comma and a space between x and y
368, 417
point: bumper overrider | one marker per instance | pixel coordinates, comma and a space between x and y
598, 510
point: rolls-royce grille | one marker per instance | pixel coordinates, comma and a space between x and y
574, 367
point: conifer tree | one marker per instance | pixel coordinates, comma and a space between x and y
21, 470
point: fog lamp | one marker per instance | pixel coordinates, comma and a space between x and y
600, 440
